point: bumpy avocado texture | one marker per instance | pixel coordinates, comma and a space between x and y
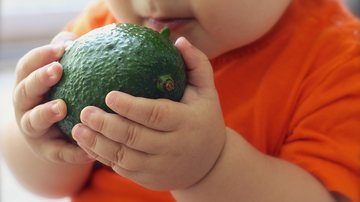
123, 57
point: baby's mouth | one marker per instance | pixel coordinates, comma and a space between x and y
172, 23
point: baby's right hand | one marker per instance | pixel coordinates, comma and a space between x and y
36, 72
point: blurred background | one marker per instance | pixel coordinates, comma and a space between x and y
23, 26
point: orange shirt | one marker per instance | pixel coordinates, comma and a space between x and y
293, 94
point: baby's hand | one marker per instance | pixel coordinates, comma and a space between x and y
36, 73
159, 144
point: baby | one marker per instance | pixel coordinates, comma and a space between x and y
271, 111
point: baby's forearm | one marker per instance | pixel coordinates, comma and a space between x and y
244, 174
37, 175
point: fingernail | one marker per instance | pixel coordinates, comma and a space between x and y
110, 98
51, 71
86, 114
55, 107
82, 135
78, 132
59, 49
177, 40
184, 40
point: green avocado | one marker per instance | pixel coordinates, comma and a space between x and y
123, 57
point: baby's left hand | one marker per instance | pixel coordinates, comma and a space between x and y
159, 144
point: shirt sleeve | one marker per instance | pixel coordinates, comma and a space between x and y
325, 134
95, 15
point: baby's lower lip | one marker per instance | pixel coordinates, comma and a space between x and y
172, 23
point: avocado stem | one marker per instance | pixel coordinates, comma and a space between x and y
169, 85
165, 32
165, 83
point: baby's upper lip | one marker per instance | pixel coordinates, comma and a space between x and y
174, 23
168, 19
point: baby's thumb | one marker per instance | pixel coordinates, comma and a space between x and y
63, 38
199, 70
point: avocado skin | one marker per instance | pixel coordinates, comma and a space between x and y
122, 57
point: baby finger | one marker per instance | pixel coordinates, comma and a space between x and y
31, 90
36, 58
37, 121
